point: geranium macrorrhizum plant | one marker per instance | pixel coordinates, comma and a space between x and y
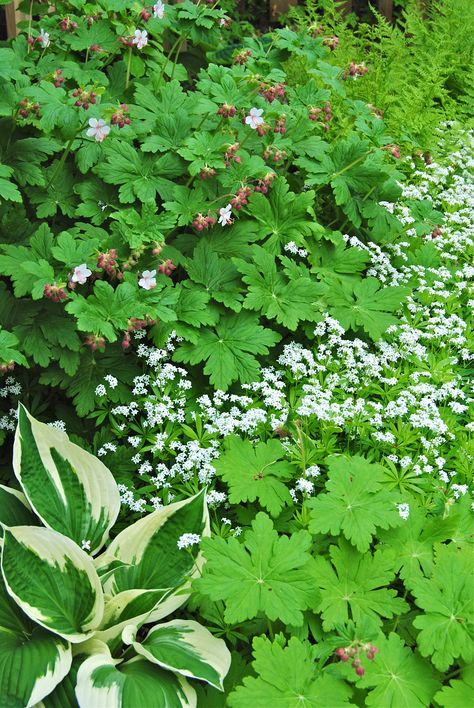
72, 622
114, 143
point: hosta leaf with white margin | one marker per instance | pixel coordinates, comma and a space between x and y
353, 584
288, 300
398, 677
108, 683
14, 509
365, 304
267, 573
229, 349
282, 215
139, 176
356, 502
32, 660
155, 575
288, 678
185, 647
459, 692
447, 624
255, 471
217, 275
71, 490
53, 581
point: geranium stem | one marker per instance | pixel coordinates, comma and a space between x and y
129, 64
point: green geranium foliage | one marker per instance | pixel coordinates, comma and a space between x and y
268, 574
356, 503
288, 676
446, 627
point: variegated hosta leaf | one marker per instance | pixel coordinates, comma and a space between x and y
70, 489
153, 562
32, 660
186, 647
53, 581
133, 684
14, 509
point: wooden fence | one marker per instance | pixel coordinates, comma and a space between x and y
276, 7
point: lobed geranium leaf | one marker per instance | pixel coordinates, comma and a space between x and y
356, 503
398, 677
354, 585
256, 472
447, 627
267, 573
287, 677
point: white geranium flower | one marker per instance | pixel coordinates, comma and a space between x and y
44, 38
225, 215
159, 10
140, 38
148, 280
254, 118
98, 129
80, 274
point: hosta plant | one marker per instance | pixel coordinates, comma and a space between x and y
73, 609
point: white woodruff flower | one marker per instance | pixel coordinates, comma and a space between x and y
225, 215
98, 129
148, 280
140, 38
80, 274
254, 118
188, 539
159, 10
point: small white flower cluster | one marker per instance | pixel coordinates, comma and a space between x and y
11, 390
188, 539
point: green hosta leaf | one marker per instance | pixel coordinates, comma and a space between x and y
398, 677
154, 570
365, 304
447, 625
32, 661
458, 694
14, 509
8, 348
267, 573
283, 216
185, 647
255, 472
356, 503
217, 275
139, 176
229, 349
287, 678
53, 581
270, 291
101, 682
352, 586
71, 490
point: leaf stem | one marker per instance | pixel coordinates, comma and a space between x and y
129, 65
65, 154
